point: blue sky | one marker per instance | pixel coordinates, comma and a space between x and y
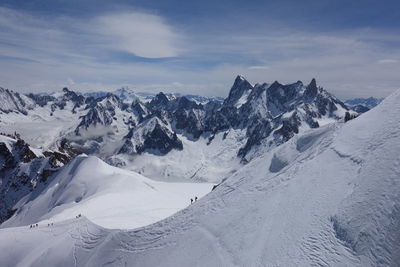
352, 48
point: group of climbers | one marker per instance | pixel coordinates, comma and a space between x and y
191, 200
51, 224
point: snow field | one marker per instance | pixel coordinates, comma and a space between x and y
108, 196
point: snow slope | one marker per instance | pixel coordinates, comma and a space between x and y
108, 196
198, 161
329, 197
43, 127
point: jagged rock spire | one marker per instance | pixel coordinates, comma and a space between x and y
311, 89
240, 86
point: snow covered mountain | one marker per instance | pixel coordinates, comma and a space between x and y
127, 94
152, 135
124, 130
108, 196
362, 105
23, 169
11, 101
325, 197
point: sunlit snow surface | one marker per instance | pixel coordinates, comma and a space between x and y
330, 197
106, 195
40, 129
198, 161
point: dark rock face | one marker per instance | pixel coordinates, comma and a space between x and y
23, 151
360, 108
159, 140
139, 110
41, 100
257, 131
68, 96
277, 111
19, 153
7, 160
289, 128
99, 115
282, 98
159, 102
153, 136
101, 112
239, 87
21, 170
189, 121
76, 99
187, 116
361, 105
12, 102
311, 91
369, 103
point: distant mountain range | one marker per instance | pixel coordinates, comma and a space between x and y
154, 134
292, 184
136, 122
362, 105
127, 94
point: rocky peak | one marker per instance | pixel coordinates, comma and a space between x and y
139, 110
311, 90
183, 103
71, 95
363, 104
68, 96
154, 136
11, 101
285, 91
41, 100
111, 101
281, 98
160, 100
240, 87
101, 112
23, 168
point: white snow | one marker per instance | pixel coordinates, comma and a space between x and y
198, 161
39, 128
108, 196
243, 99
333, 200
8, 141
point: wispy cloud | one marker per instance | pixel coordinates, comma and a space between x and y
388, 61
43, 53
141, 34
144, 51
258, 67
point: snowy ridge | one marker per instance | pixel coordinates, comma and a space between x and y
24, 168
107, 195
328, 197
14, 102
